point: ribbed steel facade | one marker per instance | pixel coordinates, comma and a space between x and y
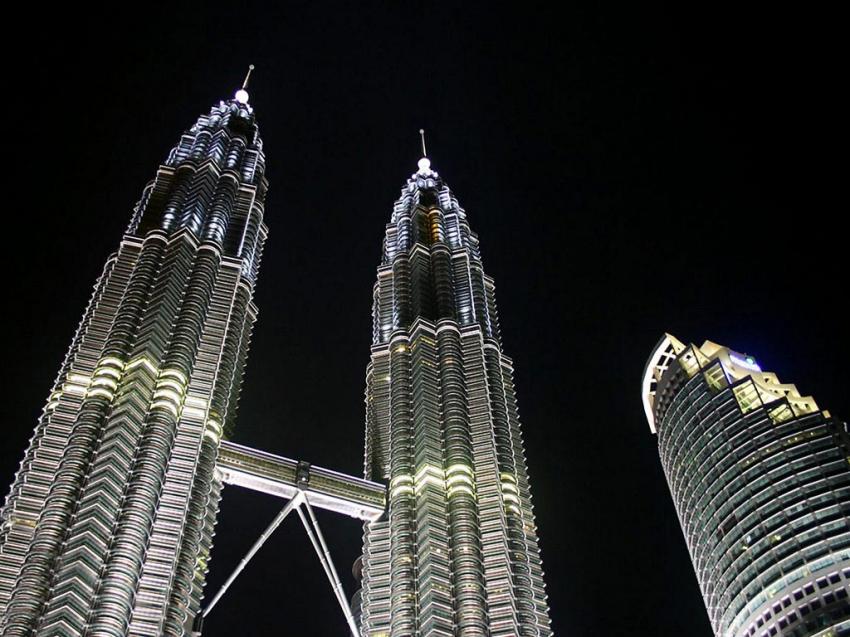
458, 551
108, 526
760, 478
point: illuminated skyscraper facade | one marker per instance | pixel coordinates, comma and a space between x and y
760, 478
107, 528
458, 551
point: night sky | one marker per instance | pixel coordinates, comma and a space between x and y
628, 173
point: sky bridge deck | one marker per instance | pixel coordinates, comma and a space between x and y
284, 477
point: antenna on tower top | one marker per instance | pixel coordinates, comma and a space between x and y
247, 77
422, 135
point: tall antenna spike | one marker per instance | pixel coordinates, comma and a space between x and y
247, 77
422, 135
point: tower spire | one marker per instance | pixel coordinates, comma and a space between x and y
247, 77
242, 94
424, 163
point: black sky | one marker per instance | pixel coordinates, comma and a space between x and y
628, 172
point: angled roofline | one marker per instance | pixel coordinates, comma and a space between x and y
659, 360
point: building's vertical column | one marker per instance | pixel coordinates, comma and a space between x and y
493, 526
402, 317
479, 299
372, 457
529, 590
421, 292
529, 526
196, 544
429, 484
509, 486
380, 409
402, 495
178, 518
470, 595
376, 612
464, 305
383, 314
376, 593
493, 330
441, 273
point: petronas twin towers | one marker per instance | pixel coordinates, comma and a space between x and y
107, 529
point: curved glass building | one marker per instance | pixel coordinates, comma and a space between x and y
760, 478
457, 554
108, 525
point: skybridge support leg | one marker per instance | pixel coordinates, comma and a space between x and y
294, 503
318, 541
311, 525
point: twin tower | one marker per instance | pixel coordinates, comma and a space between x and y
108, 526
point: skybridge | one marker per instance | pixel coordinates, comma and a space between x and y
305, 487
282, 477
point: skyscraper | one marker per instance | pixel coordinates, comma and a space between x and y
108, 525
760, 478
458, 551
